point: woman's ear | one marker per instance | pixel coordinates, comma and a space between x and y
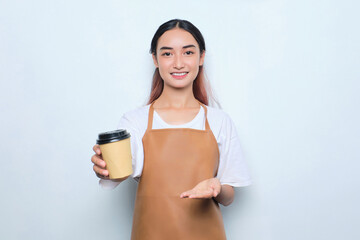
202, 58
155, 60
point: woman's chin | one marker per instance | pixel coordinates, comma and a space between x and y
179, 84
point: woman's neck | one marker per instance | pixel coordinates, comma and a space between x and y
176, 98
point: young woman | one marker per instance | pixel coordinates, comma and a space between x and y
186, 155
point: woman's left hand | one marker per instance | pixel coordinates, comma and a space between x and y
206, 189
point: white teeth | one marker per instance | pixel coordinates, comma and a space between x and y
179, 74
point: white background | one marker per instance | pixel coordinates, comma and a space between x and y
287, 72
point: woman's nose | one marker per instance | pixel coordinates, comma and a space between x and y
178, 62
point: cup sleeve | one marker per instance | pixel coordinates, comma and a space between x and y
136, 153
233, 169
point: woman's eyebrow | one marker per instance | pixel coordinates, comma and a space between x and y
188, 46
170, 48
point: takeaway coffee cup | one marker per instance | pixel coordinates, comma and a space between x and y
116, 152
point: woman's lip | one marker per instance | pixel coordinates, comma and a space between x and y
179, 72
179, 77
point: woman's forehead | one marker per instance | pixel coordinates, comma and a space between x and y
176, 38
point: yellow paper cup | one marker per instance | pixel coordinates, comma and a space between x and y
116, 151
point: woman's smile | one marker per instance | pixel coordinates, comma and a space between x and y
179, 75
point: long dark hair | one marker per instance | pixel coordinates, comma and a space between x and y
201, 87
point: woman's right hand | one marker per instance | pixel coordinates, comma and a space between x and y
99, 163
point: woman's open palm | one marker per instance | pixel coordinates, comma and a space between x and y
206, 189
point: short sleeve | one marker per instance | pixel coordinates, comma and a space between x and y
233, 169
136, 152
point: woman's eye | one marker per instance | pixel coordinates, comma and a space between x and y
166, 54
189, 52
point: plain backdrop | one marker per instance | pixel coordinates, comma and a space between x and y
287, 72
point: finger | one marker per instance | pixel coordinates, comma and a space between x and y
96, 149
98, 161
101, 176
186, 194
216, 190
202, 194
101, 171
215, 193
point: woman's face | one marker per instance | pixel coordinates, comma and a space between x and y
178, 58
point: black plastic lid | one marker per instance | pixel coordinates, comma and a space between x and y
112, 136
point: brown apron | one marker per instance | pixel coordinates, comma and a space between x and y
176, 160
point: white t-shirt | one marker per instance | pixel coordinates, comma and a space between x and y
232, 170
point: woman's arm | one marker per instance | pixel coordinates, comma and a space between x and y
226, 195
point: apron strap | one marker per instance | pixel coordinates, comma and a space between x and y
151, 116
207, 127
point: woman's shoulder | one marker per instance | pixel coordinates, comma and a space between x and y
217, 114
220, 122
136, 118
137, 112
